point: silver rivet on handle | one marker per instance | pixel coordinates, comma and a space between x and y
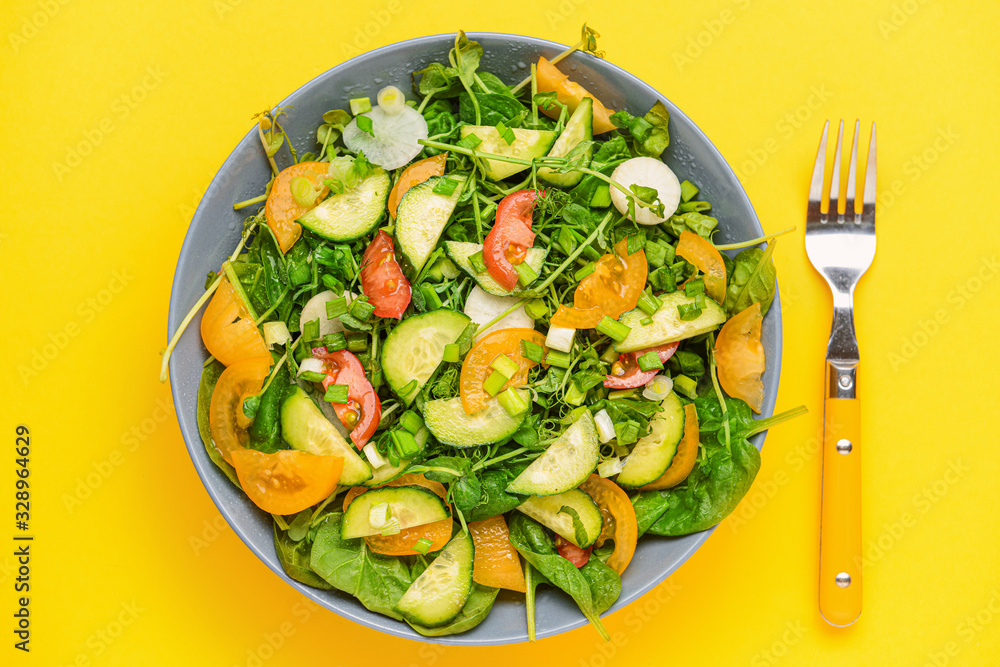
843, 580
844, 446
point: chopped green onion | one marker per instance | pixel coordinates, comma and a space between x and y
650, 362
536, 309
610, 355
505, 365
303, 191
411, 421
525, 274
646, 321
601, 197
621, 393
446, 186
476, 260
312, 376
584, 271
513, 402
688, 311
310, 330
567, 240
360, 105
360, 308
636, 242
574, 396
335, 307
694, 287
558, 359
357, 342
365, 125
532, 351
694, 207
688, 190
699, 301
506, 133
614, 329
404, 442
656, 255
336, 393
648, 302
432, 300
276, 333
422, 545
494, 383
452, 353
335, 341
392, 526
408, 389
686, 386
470, 141
627, 433
379, 514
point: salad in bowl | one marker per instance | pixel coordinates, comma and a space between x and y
479, 338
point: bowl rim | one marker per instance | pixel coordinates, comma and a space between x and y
204, 466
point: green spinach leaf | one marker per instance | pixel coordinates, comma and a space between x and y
294, 558
209, 378
493, 109
493, 498
753, 279
605, 583
265, 431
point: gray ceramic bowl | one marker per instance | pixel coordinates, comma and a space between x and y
215, 230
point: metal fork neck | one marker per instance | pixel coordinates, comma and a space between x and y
842, 353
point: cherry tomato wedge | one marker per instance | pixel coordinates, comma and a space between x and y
281, 209
613, 288
706, 259
687, 453
288, 481
626, 374
511, 236
401, 544
382, 279
497, 563
739, 357
363, 410
228, 330
620, 523
572, 553
415, 174
476, 367
569, 93
227, 422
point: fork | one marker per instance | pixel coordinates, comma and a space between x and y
841, 246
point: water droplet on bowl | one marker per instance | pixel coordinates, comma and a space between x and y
378, 80
522, 65
573, 66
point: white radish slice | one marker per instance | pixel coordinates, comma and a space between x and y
395, 136
482, 307
315, 308
651, 173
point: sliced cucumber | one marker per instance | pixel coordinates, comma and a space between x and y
353, 213
652, 455
460, 252
564, 465
557, 514
667, 326
420, 218
527, 144
439, 593
447, 421
415, 348
409, 505
579, 128
389, 472
305, 428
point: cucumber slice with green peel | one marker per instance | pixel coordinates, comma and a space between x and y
439, 593
415, 348
667, 326
306, 428
578, 129
389, 472
653, 454
353, 213
565, 464
421, 216
408, 505
573, 515
447, 421
459, 252
527, 144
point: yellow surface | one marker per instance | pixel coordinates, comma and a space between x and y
140, 102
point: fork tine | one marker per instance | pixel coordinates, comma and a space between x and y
835, 179
868, 202
851, 178
816, 186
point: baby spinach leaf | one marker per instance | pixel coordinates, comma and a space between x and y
495, 85
209, 378
475, 611
532, 580
752, 280
493, 497
493, 109
265, 431
526, 434
294, 558
439, 80
605, 583
648, 506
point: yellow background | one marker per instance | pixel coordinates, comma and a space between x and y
133, 564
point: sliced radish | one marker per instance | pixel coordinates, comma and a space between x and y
482, 307
315, 308
394, 137
651, 173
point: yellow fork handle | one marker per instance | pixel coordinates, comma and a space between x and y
840, 530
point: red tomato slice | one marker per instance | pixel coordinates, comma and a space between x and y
382, 280
626, 374
508, 242
572, 553
363, 410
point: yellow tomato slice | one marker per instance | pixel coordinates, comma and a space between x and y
228, 330
620, 523
416, 173
703, 255
613, 288
569, 93
476, 367
739, 357
684, 460
497, 563
227, 422
288, 481
281, 209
